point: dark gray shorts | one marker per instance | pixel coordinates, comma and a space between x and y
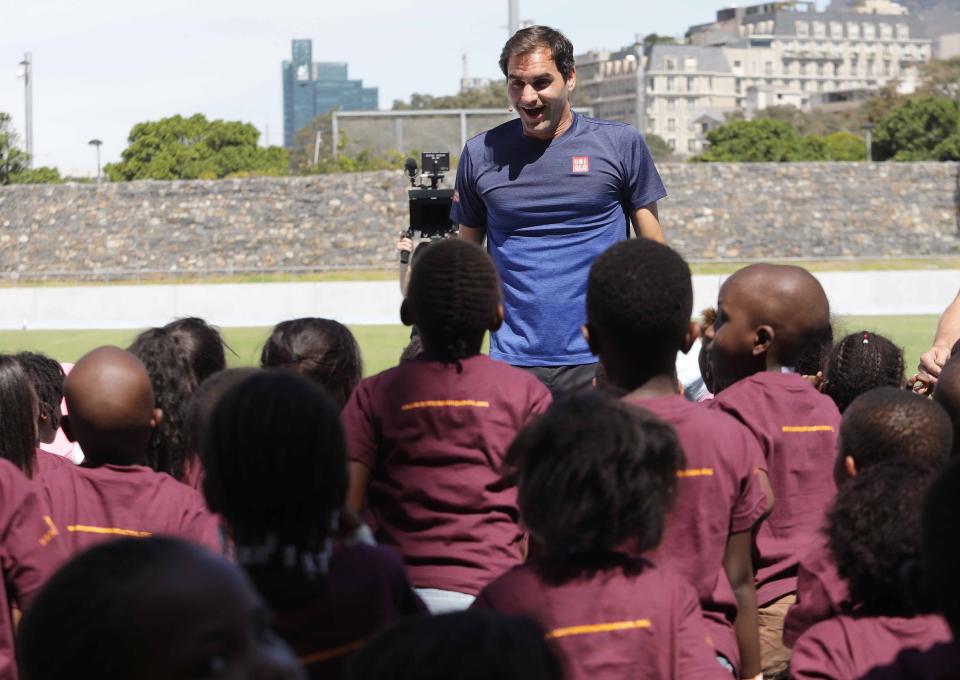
561, 380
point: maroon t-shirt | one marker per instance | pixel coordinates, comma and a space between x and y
718, 493
850, 646
940, 662
46, 461
326, 620
821, 592
624, 619
797, 429
93, 504
434, 436
31, 550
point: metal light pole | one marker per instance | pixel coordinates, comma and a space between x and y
513, 17
868, 128
97, 143
26, 72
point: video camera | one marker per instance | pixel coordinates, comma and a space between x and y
429, 205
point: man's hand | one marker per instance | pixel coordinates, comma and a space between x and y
405, 244
931, 362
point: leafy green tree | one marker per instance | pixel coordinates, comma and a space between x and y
654, 39
493, 96
845, 146
12, 159
948, 149
914, 130
760, 140
195, 148
41, 175
658, 147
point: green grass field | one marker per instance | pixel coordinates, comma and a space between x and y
381, 345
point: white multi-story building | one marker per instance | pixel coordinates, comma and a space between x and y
751, 58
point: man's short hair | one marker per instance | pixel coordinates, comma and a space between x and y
528, 40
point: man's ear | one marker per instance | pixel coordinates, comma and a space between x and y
406, 313
156, 419
762, 339
690, 336
497, 319
67, 429
572, 80
592, 337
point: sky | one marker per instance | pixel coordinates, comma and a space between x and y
101, 66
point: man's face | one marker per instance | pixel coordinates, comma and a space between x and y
539, 94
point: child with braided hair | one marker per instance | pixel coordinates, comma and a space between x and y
46, 376
858, 363
427, 439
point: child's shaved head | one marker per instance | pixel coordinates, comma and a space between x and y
773, 315
947, 394
886, 423
111, 406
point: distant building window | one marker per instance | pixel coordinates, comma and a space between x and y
690, 64
836, 29
869, 32
671, 104
651, 124
886, 67
669, 64
671, 124
886, 31
691, 145
903, 31
853, 30
672, 143
651, 85
819, 29
768, 68
691, 83
671, 84
803, 28
819, 69
737, 64
691, 104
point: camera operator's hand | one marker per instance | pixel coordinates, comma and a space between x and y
405, 244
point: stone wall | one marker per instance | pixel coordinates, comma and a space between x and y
715, 211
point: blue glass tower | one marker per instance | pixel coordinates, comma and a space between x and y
311, 89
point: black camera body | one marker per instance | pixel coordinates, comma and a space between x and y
429, 205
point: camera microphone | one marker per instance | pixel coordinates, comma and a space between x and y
410, 166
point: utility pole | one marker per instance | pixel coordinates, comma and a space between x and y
26, 72
97, 143
513, 18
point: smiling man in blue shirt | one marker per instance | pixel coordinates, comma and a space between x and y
550, 191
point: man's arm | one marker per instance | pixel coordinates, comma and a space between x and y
646, 223
948, 332
473, 234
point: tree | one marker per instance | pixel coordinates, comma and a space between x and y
845, 146
41, 175
12, 159
493, 96
761, 140
654, 39
658, 147
915, 130
941, 78
195, 148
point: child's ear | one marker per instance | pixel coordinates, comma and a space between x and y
690, 336
67, 429
406, 313
497, 319
592, 337
850, 466
762, 339
156, 419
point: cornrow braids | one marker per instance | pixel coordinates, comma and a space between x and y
860, 362
47, 377
173, 380
322, 350
454, 292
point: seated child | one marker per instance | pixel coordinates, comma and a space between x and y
18, 416
275, 466
596, 477
881, 425
768, 316
201, 344
861, 361
151, 609
113, 415
722, 491
874, 531
457, 646
947, 394
202, 402
46, 376
426, 439
321, 350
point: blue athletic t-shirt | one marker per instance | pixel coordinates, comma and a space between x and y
550, 208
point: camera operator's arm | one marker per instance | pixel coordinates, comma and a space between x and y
948, 333
473, 234
646, 223
404, 245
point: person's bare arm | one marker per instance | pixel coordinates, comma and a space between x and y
948, 332
646, 223
359, 480
738, 565
473, 234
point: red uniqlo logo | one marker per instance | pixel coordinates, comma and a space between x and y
581, 163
